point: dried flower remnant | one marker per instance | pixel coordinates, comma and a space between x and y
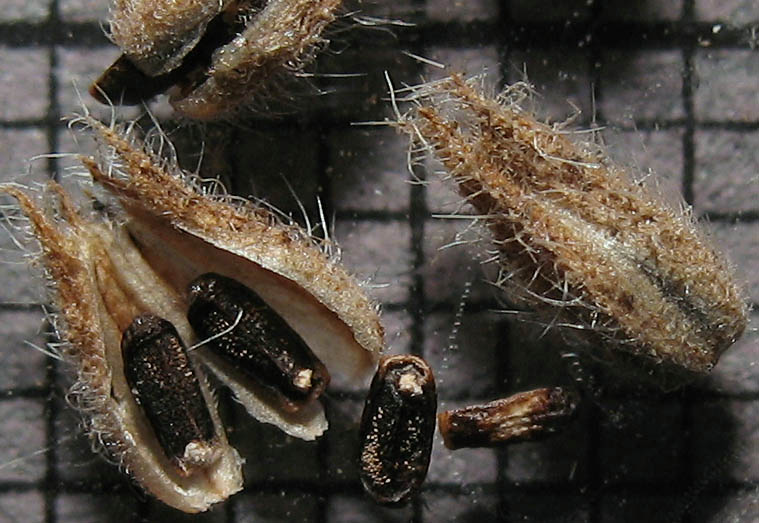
261, 345
577, 240
165, 384
397, 426
155, 229
522, 417
210, 55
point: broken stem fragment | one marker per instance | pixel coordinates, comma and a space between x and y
522, 417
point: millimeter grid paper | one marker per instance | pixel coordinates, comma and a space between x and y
675, 85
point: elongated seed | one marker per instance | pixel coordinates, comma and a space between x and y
397, 428
578, 241
164, 384
521, 417
260, 343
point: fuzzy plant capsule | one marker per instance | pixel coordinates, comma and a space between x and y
211, 55
164, 383
244, 331
99, 285
577, 241
153, 230
396, 431
521, 417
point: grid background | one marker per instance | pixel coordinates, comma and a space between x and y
676, 85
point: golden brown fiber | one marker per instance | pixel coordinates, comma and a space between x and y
576, 239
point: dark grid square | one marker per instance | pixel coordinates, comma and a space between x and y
641, 442
726, 453
462, 11
345, 509
274, 507
22, 507
641, 85
562, 81
92, 11
725, 180
742, 242
364, 178
632, 508
735, 12
462, 353
18, 147
23, 83
23, 365
94, 508
455, 506
725, 79
563, 508
22, 436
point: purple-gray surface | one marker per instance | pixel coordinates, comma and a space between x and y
674, 83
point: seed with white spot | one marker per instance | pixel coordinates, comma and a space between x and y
164, 384
260, 343
397, 428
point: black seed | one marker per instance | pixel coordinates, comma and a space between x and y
164, 384
522, 417
124, 84
396, 429
261, 345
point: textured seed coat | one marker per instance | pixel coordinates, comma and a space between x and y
397, 426
164, 383
259, 344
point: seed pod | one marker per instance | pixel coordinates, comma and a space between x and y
154, 230
577, 241
212, 54
164, 383
397, 426
260, 344
521, 417
100, 283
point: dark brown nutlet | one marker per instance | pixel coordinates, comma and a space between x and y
521, 417
163, 382
397, 428
124, 84
250, 335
